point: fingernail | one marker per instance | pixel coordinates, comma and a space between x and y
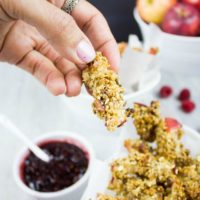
85, 52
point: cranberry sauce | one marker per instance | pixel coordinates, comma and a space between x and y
68, 164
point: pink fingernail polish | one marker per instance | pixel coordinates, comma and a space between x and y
85, 51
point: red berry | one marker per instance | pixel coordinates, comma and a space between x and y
184, 94
165, 91
188, 106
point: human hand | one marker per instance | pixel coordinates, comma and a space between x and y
39, 37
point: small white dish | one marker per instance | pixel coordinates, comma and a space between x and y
73, 192
100, 178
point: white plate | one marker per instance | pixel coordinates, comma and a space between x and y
101, 175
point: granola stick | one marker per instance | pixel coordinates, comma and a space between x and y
103, 84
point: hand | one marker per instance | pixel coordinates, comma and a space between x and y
39, 37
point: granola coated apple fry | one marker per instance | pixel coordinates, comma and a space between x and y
166, 132
137, 176
146, 119
103, 84
169, 145
158, 166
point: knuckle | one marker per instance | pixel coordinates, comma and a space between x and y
37, 64
59, 59
97, 18
45, 48
65, 23
11, 8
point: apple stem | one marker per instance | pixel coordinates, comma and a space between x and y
182, 12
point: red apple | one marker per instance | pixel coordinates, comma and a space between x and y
154, 10
195, 3
172, 124
182, 19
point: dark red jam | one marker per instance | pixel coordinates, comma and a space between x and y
68, 164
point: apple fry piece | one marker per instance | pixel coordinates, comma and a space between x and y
104, 86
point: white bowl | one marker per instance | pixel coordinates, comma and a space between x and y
73, 192
102, 173
176, 52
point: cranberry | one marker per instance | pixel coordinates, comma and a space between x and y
184, 94
188, 106
165, 91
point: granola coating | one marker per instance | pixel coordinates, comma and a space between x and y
169, 145
146, 120
103, 84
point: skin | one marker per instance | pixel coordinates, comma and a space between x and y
37, 36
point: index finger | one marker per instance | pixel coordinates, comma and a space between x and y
94, 25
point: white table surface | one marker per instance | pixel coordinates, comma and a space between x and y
28, 104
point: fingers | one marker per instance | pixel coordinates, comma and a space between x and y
73, 82
16, 41
58, 27
71, 73
17, 48
96, 28
45, 71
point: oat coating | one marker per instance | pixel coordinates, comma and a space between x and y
104, 86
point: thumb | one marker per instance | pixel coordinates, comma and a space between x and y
59, 28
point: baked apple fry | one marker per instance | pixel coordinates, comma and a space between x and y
146, 119
162, 171
104, 86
